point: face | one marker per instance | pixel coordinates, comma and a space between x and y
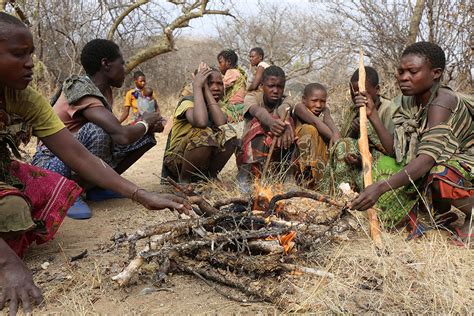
415, 75
223, 64
254, 58
16, 63
273, 88
148, 93
140, 82
216, 85
371, 90
115, 71
315, 101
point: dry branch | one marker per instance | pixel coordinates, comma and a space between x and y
374, 225
204, 206
236, 200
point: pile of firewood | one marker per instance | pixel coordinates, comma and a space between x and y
244, 243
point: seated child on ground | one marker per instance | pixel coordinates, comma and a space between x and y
201, 142
345, 160
264, 112
315, 131
235, 81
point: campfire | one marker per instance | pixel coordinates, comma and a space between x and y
245, 242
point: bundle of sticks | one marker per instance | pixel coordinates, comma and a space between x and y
231, 243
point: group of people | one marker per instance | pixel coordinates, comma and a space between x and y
422, 142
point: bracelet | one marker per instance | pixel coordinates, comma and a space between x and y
133, 197
144, 124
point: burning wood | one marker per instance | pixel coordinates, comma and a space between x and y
239, 242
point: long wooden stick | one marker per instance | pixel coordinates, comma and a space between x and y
272, 147
374, 225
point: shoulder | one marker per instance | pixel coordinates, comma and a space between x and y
252, 97
445, 98
263, 64
26, 100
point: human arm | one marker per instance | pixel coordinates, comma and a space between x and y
257, 79
276, 126
215, 112
386, 138
91, 168
327, 119
122, 135
125, 114
416, 168
197, 116
305, 115
16, 281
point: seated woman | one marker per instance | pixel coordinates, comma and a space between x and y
433, 141
85, 107
234, 85
201, 142
34, 201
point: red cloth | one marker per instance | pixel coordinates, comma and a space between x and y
50, 196
448, 176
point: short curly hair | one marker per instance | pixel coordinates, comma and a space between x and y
430, 51
309, 88
229, 55
7, 21
258, 51
94, 51
273, 71
371, 76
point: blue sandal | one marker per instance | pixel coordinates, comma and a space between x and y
98, 194
79, 210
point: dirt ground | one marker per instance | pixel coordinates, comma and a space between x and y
426, 276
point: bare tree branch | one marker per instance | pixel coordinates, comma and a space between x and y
123, 15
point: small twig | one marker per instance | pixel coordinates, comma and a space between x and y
80, 256
193, 198
236, 200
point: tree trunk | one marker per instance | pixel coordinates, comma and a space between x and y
415, 22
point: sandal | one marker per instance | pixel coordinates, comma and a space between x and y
98, 194
79, 210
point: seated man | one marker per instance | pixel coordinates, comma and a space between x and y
315, 131
85, 108
264, 113
201, 142
345, 160
234, 85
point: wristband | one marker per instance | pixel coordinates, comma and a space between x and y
144, 124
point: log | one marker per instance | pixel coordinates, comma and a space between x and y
374, 226
124, 277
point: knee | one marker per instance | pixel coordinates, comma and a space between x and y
15, 216
308, 129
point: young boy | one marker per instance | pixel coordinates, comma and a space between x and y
200, 133
345, 159
315, 131
264, 112
256, 56
132, 96
234, 85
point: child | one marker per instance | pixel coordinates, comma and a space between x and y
258, 66
33, 201
315, 131
132, 96
200, 133
264, 112
433, 142
234, 85
345, 161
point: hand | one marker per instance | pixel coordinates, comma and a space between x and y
335, 137
200, 79
18, 286
286, 139
353, 160
364, 99
367, 198
153, 119
159, 201
277, 127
